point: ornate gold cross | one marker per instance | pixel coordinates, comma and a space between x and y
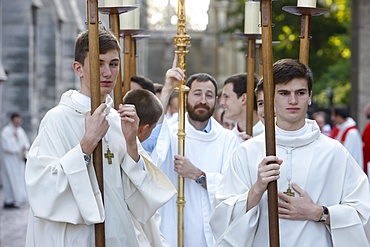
109, 155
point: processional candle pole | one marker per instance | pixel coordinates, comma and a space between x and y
181, 41
306, 9
268, 89
93, 35
252, 31
114, 8
130, 25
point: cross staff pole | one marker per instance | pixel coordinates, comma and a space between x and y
268, 88
306, 13
181, 41
93, 32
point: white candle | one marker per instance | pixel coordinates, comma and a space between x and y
130, 20
128, 2
119, 2
251, 18
112, 2
307, 3
137, 18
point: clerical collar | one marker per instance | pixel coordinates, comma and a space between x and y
207, 129
292, 133
81, 99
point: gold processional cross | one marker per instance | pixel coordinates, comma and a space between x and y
109, 155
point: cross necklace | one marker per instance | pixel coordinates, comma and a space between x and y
289, 168
108, 154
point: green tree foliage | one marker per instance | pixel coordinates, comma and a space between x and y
329, 56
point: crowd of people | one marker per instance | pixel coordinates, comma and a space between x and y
320, 164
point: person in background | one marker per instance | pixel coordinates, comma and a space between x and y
234, 102
366, 140
64, 196
158, 89
149, 109
227, 123
142, 82
259, 94
172, 113
323, 195
15, 145
321, 119
347, 133
208, 148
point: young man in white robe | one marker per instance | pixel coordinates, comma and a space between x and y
61, 183
234, 102
331, 201
208, 148
15, 145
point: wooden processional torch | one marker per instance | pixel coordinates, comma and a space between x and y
114, 11
268, 89
93, 32
181, 41
306, 9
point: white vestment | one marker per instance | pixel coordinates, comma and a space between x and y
63, 192
14, 142
211, 153
352, 141
257, 129
319, 165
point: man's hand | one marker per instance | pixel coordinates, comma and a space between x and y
174, 76
298, 208
185, 168
129, 125
268, 171
96, 126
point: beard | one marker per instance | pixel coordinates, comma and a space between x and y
201, 116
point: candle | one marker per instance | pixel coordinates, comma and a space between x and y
307, 3
128, 2
251, 18
112, 2
119, 2
130, 20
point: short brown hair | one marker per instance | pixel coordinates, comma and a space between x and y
148, 107
107, 42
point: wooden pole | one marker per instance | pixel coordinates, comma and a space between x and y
250, 84
260, 63
127, 62
304, 47
306, 13
133, 56
268, 88
181, 41
115, 27
93, 32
